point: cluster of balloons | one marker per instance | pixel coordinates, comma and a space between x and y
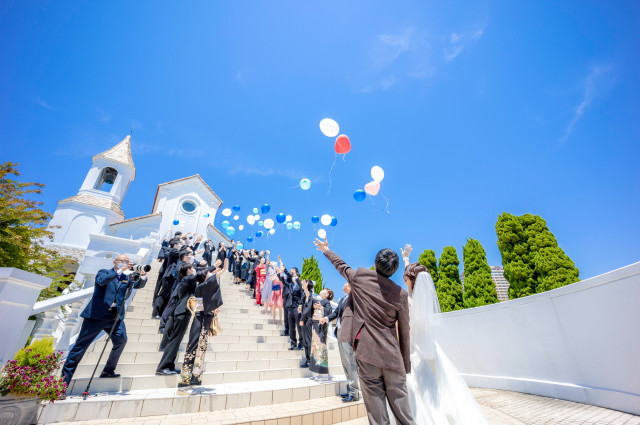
373, 187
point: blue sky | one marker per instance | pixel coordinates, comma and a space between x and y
471, 108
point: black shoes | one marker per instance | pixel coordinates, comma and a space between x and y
109, 375
350, 398
299, 347
305, 364
284, 334
166, 372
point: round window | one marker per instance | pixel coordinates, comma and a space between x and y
189, 206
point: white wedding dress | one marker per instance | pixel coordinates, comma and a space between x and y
438, 394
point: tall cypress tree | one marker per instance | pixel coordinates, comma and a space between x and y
311, 271
449, 287
428, 259
533, 262
479, 289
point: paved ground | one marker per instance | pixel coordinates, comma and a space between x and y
500, 408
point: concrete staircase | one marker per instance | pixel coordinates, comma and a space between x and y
248, 365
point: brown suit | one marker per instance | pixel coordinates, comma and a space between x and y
376, 304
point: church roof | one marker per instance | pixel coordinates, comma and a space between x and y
96, 201
137, 218
120, 153
196, 176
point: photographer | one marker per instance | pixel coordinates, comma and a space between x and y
102, 313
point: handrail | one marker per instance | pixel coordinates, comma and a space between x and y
61, 300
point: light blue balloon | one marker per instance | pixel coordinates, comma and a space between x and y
289, 226
239, 246
261, 223
255, 211
225, 224
296, 225
305, 184
230, 231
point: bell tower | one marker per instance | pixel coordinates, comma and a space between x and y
97, 203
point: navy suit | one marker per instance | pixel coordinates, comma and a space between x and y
99, 315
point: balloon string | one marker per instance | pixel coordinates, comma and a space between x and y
387, 200
296, 186
344, 158
335, 156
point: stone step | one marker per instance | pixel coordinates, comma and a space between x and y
146, 382
131, 369
226, 338
154, 357
251, 316
148, 403
230, 329
213, 346
328, 410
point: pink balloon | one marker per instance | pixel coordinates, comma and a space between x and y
372, 188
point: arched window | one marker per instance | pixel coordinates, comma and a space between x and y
106, 180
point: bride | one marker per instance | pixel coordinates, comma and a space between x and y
437, 392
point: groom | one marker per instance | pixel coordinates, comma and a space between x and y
382, 356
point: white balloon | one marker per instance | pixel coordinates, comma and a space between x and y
272, 231
226, 212
289, 218
236, 217
256, 217
251, 220
241, 227
329, 127
322, 234
377, 174
268, 224
325, 219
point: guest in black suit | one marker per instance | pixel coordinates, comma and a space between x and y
346, 350
306, 319
101, 314
231, 251
179, 320
164, 257
222, 252
207, 255
292, 299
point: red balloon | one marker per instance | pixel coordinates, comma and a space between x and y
343, 145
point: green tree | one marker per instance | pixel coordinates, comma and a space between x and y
479, 289
449, 287
428, 259
311, 271
24, 232
533, 262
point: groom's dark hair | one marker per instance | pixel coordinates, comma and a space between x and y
387, 262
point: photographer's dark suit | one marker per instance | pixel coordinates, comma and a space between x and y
100, 315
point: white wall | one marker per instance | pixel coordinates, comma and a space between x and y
580, 342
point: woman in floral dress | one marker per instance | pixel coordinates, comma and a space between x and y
208, 306
261, 276
319, 353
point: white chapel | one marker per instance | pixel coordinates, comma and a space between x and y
91, 226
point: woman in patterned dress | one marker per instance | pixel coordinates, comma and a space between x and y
194, 357
319, 353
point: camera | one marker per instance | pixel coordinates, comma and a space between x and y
137, 268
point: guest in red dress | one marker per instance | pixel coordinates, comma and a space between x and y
261, 276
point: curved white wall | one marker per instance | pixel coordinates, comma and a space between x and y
580, 342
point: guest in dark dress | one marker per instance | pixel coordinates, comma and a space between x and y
319, 353
194, 357
306, 320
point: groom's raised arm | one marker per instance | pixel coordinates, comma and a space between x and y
342, 267
404, 331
